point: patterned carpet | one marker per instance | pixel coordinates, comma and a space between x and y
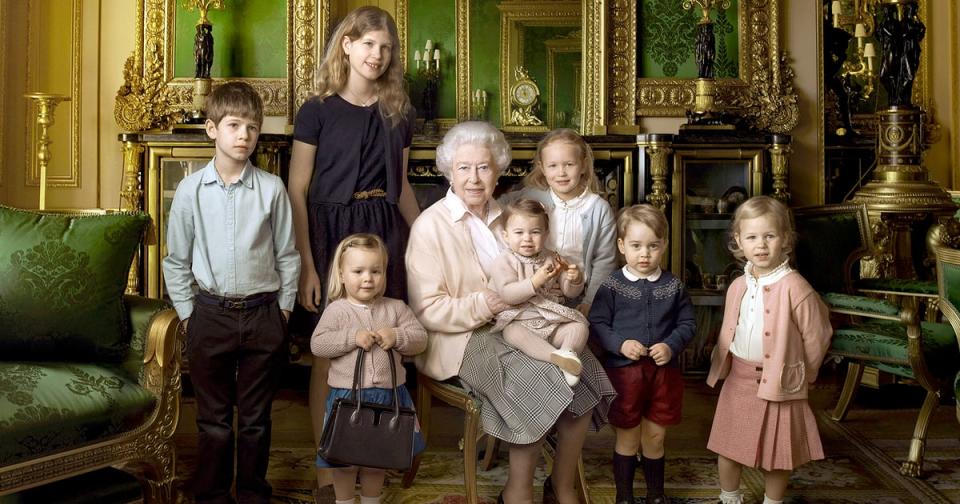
856, 471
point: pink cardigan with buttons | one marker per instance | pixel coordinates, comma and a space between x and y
796, 336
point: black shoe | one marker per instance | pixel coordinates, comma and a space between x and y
660, 499
549, 496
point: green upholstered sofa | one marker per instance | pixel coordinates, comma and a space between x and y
89, 376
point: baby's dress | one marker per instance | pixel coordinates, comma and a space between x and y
543, 312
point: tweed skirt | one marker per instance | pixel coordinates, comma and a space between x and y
758, 433
521, 397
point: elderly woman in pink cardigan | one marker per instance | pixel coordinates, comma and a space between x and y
451, 248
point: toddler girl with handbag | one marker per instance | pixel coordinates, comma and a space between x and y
364, 334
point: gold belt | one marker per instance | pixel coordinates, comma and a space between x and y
376, 193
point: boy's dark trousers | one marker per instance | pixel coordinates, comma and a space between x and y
236, 351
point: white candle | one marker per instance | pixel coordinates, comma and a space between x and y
416, 57
860, 31
429, 45
869, 52
436, 54
835, 9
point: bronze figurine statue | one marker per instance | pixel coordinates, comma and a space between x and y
203, 51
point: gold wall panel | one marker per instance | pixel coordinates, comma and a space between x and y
50, 69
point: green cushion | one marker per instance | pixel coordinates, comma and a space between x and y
888, 340
48, 407
859, 303
141, 310
62, 280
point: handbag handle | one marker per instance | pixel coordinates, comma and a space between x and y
357, 391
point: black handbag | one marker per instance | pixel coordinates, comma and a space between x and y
366, 434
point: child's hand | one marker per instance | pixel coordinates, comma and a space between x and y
387, 338
661, 353
366, 339
574, 275
633, 349
545, 273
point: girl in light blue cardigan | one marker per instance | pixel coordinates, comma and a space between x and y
582, 224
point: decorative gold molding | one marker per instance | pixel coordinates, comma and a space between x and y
463, 60
401, 19
763, 92
152, 98
623, 67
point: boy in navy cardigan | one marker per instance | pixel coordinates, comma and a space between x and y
642, 317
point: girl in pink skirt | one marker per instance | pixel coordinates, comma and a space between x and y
775, 333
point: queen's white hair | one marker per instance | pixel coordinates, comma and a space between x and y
473, 133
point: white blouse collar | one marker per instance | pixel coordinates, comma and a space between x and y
768, 278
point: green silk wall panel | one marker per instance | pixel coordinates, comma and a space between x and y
249, 39
485, 54
666, 40
434, 20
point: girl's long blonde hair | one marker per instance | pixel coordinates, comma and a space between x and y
588, 178
364, 241
334, 68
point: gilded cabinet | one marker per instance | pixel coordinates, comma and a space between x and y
699, 179
153, 165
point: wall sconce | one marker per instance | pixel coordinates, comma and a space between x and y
851, 74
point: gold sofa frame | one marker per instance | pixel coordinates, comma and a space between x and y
147, 449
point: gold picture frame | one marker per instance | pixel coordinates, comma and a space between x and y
763, 92
590, 15
151, 98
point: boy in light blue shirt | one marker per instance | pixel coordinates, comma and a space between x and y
231, 272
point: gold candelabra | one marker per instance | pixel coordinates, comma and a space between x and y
46, 104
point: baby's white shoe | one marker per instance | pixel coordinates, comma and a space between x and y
569, 363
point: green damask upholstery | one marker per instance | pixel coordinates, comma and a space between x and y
62, 279
48, 407
837, 302
898, 285
89, 377
831, 241
887, 341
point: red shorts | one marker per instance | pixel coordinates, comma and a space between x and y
645, 390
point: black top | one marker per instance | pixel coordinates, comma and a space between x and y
353, 151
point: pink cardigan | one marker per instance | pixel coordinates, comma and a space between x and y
796, 334
335, 337
445, 285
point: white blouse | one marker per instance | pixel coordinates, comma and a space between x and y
566, 224
748, 338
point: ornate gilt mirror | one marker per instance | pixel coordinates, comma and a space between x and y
158, 76
755, 79
559, 43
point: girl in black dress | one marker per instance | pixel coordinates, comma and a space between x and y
348, 167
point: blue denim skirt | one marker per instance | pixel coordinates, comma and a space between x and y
376, 396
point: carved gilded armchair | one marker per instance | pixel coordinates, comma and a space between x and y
89, 377
869, 331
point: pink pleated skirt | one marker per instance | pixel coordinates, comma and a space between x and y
758, 433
